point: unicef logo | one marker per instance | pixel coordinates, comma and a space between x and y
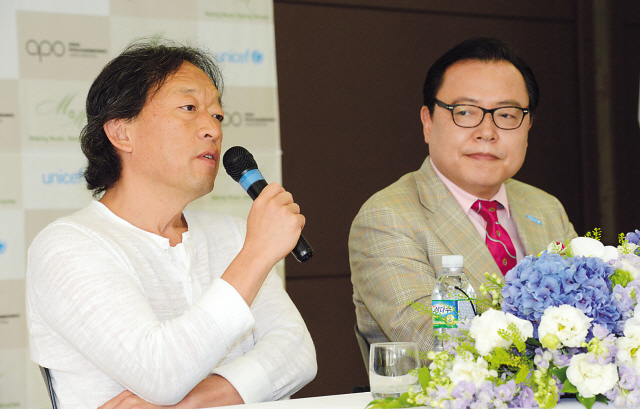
241, 57
3, 246
257, 57
63, 178
45, 48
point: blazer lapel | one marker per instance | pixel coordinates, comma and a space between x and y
526, 216
453, 227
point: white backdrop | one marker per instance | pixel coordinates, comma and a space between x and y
50, 52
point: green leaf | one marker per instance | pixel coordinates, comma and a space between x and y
561, 373
384, 403
587, 402
569, 387
402, 400
374, 404
424, 376
601, 398
533, 342
421, 308
522, 374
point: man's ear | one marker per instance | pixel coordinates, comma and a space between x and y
427, 123
116, 130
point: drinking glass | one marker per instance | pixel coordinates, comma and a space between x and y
393, 368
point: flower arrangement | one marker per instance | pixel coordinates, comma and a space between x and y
565, 323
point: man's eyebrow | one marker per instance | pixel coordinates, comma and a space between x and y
189, 91
193, 91
506, 102
464, 100
510, 102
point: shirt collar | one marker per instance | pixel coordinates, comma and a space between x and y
163, 242
466, 199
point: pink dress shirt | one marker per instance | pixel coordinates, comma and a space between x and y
466, 200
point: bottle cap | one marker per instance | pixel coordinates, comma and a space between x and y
456, 261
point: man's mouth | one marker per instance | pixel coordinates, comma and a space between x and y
483, 156
210, 156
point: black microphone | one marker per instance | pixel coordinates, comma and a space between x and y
242, 168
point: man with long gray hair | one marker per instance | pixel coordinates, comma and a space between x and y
134, 301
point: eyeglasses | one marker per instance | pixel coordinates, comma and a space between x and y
470, 116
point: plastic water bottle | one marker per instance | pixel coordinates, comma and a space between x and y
453, 298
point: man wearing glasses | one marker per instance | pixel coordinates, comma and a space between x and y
479, 98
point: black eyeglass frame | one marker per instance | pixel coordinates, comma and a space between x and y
441, 104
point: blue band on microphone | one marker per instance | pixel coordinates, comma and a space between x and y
250, 178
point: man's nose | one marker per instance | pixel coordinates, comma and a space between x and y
487, 130
209, 127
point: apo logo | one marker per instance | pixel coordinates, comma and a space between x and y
45, 48
3, 246
237, 119
232, 119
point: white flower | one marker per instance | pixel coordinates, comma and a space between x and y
629, 247
466, 369
555, 247
628, 352
625, 263
629, 345
588, 247
632, 325
484, 330
567, 323
591, 379
610, 253
632, 328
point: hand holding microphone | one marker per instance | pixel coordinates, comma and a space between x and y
272, 210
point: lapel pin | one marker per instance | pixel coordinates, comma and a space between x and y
533, 219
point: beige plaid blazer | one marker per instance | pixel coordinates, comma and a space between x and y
398, 238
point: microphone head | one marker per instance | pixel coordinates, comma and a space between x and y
237, 160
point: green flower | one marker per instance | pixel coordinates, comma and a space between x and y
550, 341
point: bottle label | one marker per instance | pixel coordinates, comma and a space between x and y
445, 313
465, 309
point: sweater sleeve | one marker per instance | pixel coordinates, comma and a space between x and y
283, 358
86, 293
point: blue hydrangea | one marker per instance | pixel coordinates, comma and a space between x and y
633, 237
624, 301
536, 283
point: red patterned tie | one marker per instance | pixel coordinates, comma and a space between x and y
498, 240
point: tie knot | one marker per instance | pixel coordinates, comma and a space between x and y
488, 209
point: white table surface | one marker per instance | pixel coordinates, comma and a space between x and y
360, 401
348, 401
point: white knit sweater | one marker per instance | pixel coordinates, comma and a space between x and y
112, 307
